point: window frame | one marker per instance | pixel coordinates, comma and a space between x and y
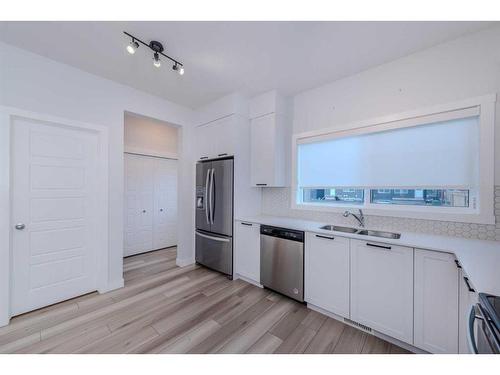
481, 206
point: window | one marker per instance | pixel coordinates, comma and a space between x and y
333, 195
424, 166
421, 197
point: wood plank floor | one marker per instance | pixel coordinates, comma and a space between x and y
167, 309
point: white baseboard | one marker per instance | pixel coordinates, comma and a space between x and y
4, 321
116, 284
237, 276
184, 262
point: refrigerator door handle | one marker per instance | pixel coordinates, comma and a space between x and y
207, 206
212, 197
220, 239
471, 340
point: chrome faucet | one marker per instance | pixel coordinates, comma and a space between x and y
360, 218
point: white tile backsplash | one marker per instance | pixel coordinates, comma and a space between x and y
276, 202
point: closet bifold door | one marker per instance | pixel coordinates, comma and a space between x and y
165, 203
138, 212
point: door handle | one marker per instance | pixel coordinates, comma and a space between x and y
212, 196
325, 237
20, 226
470, 332
220, 239
207, 205
379, 246
471, 289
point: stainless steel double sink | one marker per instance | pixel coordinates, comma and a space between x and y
363, 232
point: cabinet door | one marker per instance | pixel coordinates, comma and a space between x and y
223, 135
467, 298
216, 139
247, 250
262, 153
327, 273
382, 288
165, 203
436, 302
138, 204
204, 142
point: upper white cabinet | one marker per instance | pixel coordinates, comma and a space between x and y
467, 298
382, 288
267, 139
217, 138
327, 272
436, 302
270, 140
247, 250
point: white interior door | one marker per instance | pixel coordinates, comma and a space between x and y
150, 203
165, 203
139, 191
56, 211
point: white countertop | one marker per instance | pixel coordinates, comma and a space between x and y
480, 259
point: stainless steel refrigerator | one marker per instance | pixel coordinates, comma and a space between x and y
214, 214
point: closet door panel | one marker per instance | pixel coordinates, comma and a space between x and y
165, 203
138, 204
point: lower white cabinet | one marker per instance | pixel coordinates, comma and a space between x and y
466, 299
247, 250
382, 288
327, 272
436, 302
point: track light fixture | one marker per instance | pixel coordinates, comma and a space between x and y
157, 49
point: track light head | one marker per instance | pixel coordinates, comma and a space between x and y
132, 46
156, 60
178, 68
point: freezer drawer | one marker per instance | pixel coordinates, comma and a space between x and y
214, 251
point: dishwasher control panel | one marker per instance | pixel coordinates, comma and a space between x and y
288, 234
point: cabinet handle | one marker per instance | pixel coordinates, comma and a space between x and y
161, 209
471, 289
247, 224
143, 211
224, 154
204, 157
458, 263
379, 246
325, 237
261, 184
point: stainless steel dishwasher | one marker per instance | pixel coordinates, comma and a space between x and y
282, 261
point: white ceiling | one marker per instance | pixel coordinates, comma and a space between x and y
222, 57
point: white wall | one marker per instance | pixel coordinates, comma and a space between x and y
148, 136
35, 83
464, 68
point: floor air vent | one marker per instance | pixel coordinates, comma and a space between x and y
358, 325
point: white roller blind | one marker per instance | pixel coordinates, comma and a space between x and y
439, 154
